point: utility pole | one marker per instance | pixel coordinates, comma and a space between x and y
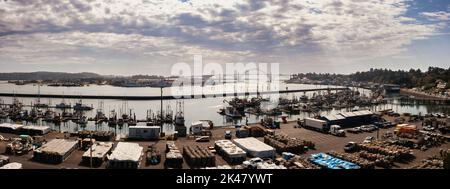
90, 148
161, 108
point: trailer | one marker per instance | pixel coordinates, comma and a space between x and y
144, 132
316, 124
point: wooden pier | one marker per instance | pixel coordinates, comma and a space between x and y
167, 97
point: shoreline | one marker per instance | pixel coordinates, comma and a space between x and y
422, 95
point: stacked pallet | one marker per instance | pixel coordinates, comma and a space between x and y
55, 151
282, 143
298, 162
85, 143
398, 152
198, 156
126, 155
174, 159
379, 159
230, 152
255, 131
365, 164
435, 162
98, 153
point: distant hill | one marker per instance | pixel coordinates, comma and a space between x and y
47, 76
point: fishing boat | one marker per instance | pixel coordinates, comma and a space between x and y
49, 116
82, 121
132, 121
120, 123
57, 119
112, 121
38, 104
79, 106
63, 105
179, 117
232, 112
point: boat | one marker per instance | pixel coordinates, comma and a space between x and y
40, 105
79, 106
63, 105
112, 121
232, 112
303, 98
120, 123
82, 121
179, 117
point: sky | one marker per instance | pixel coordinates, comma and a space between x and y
149, 36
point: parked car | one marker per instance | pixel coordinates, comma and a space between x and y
388, 124
251, 164
373, 127
228, 134
354, 130
429, 128
379, 124
212, 149
369, 139
365, 128
350, 147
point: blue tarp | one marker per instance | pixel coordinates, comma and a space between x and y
332, 162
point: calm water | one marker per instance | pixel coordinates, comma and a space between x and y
194, 109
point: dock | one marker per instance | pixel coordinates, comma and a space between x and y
168, 97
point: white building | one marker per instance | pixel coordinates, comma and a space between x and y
144, 132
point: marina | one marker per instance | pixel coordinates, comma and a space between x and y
105, 111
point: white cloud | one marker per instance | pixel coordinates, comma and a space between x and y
436, 16
57, 48
221, 30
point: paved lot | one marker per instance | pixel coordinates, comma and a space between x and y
324, 143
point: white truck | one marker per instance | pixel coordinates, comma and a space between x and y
316, 124
337, 131
323, 126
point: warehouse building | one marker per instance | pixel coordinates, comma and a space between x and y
255, 148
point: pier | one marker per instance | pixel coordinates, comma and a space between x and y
167, 97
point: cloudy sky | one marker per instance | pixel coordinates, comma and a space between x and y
148, 36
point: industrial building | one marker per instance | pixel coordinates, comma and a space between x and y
349, 119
